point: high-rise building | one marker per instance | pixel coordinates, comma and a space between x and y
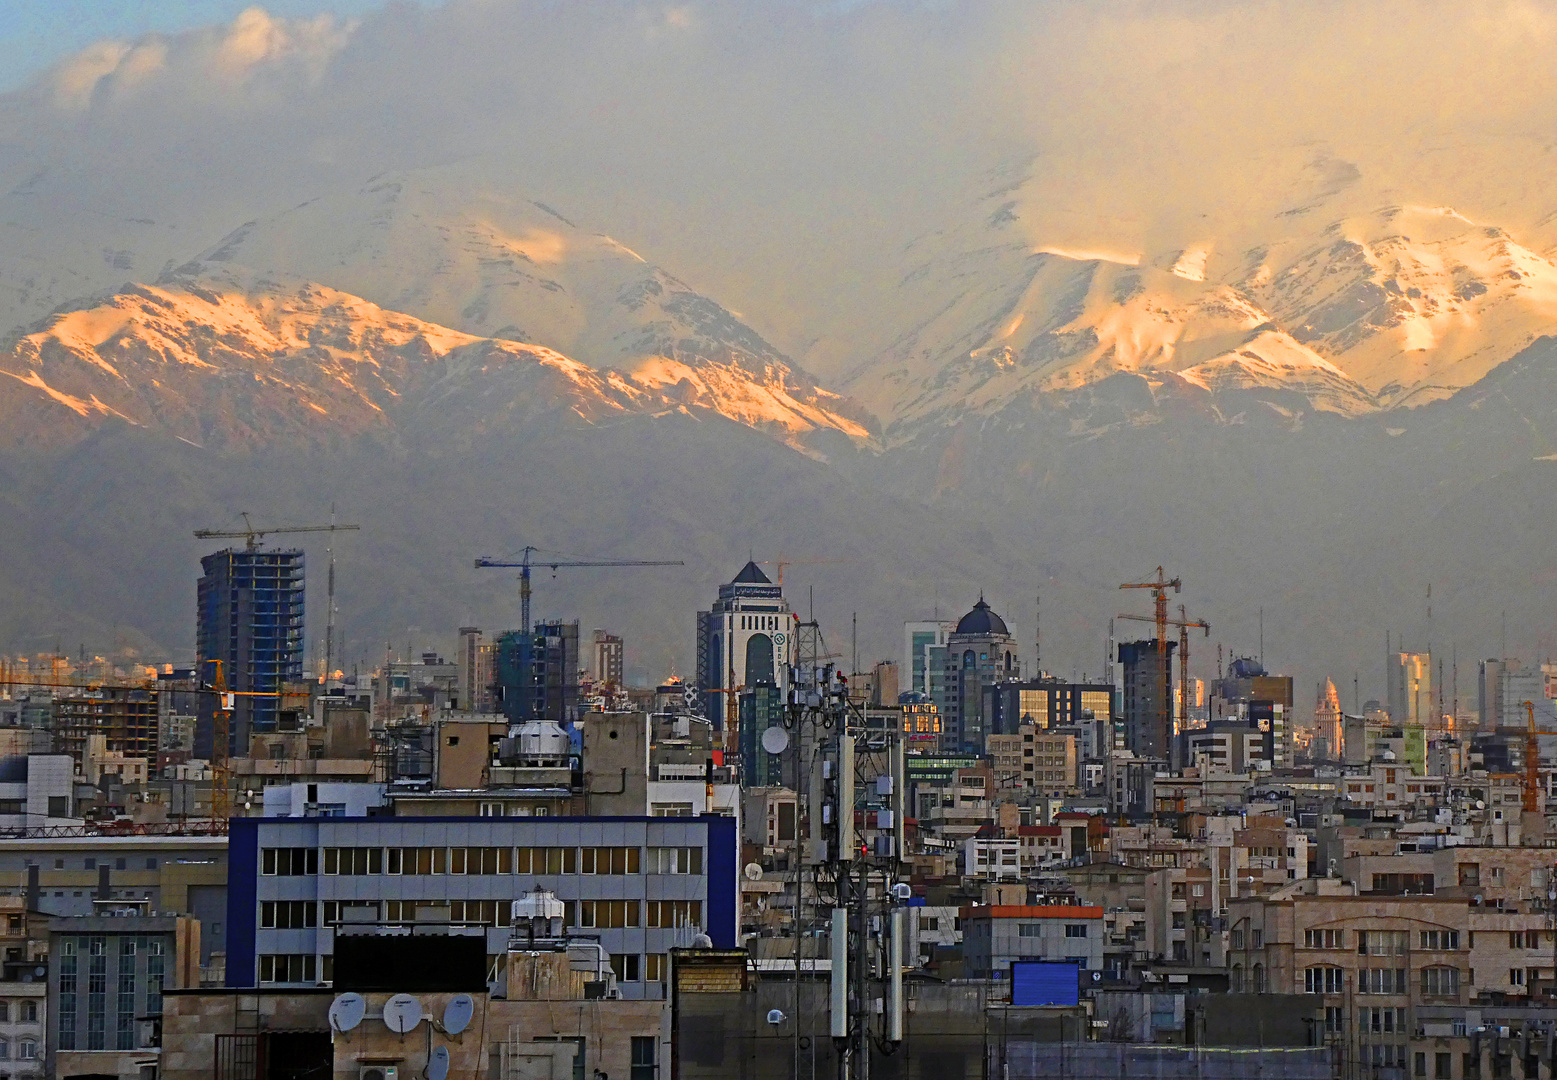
474, 661
1148, 698
250, 621
918, 639
1328, 737
745, 648
537, 673
606, 658
1505, 687
1411, 688
125, 717
979, 653
1249, 692
1489, 694
1047, 702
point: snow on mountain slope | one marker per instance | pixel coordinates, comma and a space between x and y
226, 363
1006, 321
448, 246
1414, 302
1310, 287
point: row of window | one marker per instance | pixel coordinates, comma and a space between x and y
26, 1012
597, 914
1396, 942
1032, 929
1437, 981
426, 861
24, 1049
307, 968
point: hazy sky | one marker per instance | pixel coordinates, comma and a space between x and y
779, 155
36, 33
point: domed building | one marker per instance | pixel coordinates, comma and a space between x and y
979, 653
746, 642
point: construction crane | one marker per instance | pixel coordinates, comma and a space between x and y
221, 752
1183, 622
526, 561
782, 562
1531, 800
253, 536
1159, 589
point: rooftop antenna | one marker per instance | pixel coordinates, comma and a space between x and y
1440, 694
1262, 637
1357, 693
854, 640
1038, 636
1503, 650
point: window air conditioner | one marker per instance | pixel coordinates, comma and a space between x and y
379, 1072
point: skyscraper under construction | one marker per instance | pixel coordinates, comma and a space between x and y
251, 620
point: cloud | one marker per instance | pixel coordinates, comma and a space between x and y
779, 155
215, 66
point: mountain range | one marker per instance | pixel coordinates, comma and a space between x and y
1313, 416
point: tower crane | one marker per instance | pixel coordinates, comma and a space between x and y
253, 536
1183, 622
1531, 793
782, 562
1159, 589
221, 728
533, 556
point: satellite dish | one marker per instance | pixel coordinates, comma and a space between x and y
775, 739
438, 1063
402, 1013
458, 1014
347, 1011
753, 872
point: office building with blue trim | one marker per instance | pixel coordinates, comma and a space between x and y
639, 886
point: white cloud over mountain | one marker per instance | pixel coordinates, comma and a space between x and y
780, 155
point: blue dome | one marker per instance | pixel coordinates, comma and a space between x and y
981, 620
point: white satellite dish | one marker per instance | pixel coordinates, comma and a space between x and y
458, 1014
402, 1013
753, 872
775, 739
438, 1063
347, 1011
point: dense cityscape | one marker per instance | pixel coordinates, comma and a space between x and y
804, 540
788, 862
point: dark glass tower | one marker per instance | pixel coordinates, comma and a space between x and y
251, 619
537, 673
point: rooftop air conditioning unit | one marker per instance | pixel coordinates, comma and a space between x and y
379, 1072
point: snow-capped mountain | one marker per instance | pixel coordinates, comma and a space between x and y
1333, 302
234, 363
448, 246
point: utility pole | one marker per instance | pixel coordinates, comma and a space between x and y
863, 861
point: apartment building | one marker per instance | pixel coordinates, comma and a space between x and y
1368, 963
1034, 760
994, 935
637, 886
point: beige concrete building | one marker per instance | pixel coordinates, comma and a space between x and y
539, 1025
1368, 963
1034, 759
